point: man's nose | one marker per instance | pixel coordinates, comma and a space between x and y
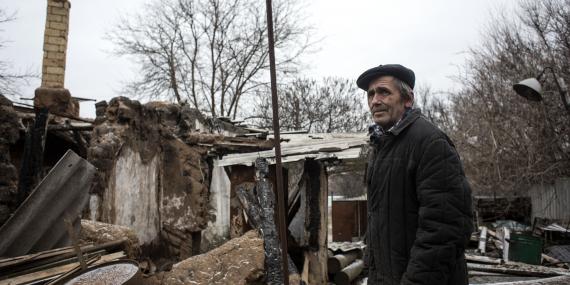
377, 99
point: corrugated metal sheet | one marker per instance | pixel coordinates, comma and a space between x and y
38, 224
301, 146
560, 252
345, 246
551, 201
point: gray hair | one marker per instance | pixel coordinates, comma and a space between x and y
405, 89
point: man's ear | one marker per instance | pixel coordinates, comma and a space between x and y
410, 102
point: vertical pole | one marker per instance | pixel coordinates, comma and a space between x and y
278, 168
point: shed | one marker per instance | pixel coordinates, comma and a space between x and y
307, 160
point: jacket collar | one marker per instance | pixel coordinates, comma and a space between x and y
411, 117
376, 132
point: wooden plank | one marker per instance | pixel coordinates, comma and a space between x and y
33, 256
483, 259
55, 271
305, 272
515, 269
56, 255
505, 242
483, 240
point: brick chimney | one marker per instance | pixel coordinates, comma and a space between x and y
52, 93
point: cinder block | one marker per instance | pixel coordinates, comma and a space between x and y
58, 26
51, 47
54, 55
56, 40
55, 33
53, 78
60, 4
55, 18
54, 62
55, 70
58, 11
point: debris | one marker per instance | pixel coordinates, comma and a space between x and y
20, 265
349, 273
37, 224
557, 253
338, 262
41, 274
517, 268
483, 240
32, 163
238, 261
103, 233
555, 228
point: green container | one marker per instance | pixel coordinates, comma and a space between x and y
525, 248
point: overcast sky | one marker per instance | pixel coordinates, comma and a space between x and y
428, 36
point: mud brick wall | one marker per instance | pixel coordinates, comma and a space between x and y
9, 134
55, 43
149, 179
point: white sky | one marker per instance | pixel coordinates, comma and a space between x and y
429, 37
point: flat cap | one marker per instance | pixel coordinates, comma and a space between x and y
399, 71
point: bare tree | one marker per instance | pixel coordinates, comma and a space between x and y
434, 105
10, 80
508, 142
209, 53
331, 105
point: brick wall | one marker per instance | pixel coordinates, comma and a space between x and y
55, 43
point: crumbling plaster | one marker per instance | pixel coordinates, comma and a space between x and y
149, 178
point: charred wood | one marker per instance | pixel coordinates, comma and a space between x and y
30, 171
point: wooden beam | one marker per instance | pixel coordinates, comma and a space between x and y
317, 195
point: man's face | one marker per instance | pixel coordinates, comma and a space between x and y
385, 101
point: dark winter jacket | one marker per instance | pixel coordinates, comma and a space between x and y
419, 207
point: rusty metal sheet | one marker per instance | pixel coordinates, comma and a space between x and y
349, 220
38, 224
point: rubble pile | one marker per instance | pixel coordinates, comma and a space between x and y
513, 252
239, 261
100, 233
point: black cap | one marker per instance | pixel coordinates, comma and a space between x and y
399, 71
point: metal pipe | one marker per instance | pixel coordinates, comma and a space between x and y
278, 167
